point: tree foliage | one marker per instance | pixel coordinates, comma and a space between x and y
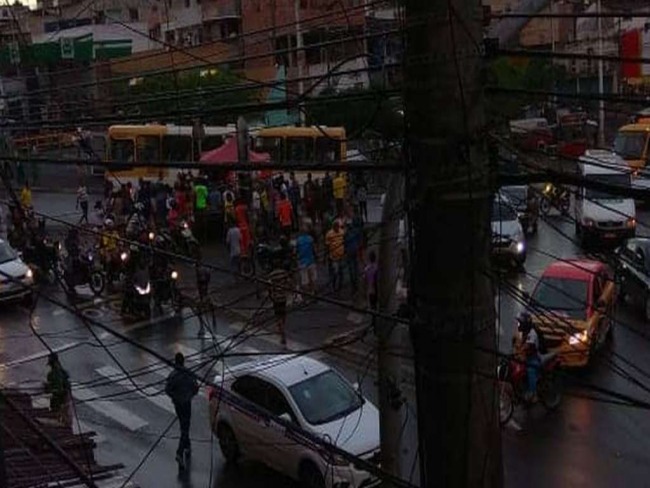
196, 92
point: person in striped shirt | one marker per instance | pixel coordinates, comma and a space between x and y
279, 284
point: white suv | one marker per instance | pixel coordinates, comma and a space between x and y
314, 397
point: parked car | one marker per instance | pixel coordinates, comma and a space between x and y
316, 399
572, 306
16, 278
633, 272
508, 239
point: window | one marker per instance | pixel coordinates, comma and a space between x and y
630, 145
263, 394
271, 146
615, 180
148, 149
122, 151
568, 296
328, 150
300, 149
325, 398
177, 148
134, 15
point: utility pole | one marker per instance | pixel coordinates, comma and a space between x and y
3, 470
389, 334
601, 81
453, 326
299, 60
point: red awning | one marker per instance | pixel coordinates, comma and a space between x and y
229, 153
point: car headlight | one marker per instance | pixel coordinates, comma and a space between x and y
30, 274
174, 275
124, 256
520, 247
579, 338
587, 222
631, 223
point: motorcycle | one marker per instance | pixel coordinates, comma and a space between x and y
43, 259
513, 378
555, 196
166, 291
137, 295
182, 240
84, 270
265, 255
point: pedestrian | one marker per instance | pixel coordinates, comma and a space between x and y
306, 260
233, 242
285, 215
362, 201
202, 285
241, 212
352, 242
294, 198
308, 198
228, 206
334, 240
279, 282
256, 207
339, 187
82, 201
57, 385
328, 192
215, 201
26, 196
318, 202
371, 275
181, 387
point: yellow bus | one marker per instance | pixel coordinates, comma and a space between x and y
631, 144
142, 144
302, 145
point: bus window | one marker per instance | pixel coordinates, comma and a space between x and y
328, 150
148, 149
177, 148
211, 142
300, 149
271, 146
122, 151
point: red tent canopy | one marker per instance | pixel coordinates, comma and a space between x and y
229, 153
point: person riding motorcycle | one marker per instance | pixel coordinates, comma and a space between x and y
530, 344
108, 246
160, 273
137, 223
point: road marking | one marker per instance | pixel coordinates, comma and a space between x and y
59, 311
39, 355
104, 335
150, 393
109, 409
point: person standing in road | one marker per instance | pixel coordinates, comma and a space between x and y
334, 240
327, 192
201, 206
371, 274
26, 195
285, 215
181, 387
202, 285
294, 198
362, 201
352, 242
82, 201
339, 187
234, 242
306, 260
57, 385
279, 282
308, 198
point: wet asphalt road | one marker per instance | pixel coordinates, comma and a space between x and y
587, 442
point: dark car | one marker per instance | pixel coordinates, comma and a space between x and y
633, 271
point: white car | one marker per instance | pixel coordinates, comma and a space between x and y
508, 239
16, 278
313, 396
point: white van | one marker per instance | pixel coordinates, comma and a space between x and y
601, 216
